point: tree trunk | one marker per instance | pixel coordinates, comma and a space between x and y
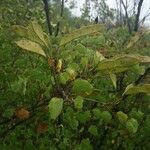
46, 8
138, 16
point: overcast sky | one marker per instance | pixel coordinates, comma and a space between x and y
112, 4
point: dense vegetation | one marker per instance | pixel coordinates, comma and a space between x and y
83, 89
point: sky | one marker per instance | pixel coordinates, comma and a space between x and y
112, 4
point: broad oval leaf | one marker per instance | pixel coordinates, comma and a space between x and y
55, 107
98, 57
97, 113
106, 116
20, 30
31, 46
78, 102
81, 32
93, 130
64, 77
131, 89
39, 32
117, 64
122, 117
72, 73
82, 87
141, 59
132, 125
133, 40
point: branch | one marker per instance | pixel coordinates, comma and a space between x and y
127, 17
144, 18
46, 8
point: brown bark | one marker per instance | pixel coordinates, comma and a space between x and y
138, 15
46, 8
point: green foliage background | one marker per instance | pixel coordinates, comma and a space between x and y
80, 95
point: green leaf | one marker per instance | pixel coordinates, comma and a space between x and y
81, 49
83, 117
97, 113
20, 85
114, 80
131, 89
138, 69
84, 62
8, 112
93, 130
31, 46
55, 107
122, 117
82, 87
85, 145
74, 123
137, 114
78, 103
81, 32
132, 125
64, 77
106, 116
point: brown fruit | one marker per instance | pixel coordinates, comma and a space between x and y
22, 113
42, 127
51, 62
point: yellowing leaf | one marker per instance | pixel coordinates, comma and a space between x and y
133, 40
55, 107
98, 57
121, 63
117, 64
59, 65
130, 89
31, 46
142, 59
39, 32
72, 73
42, 127
20, 30
114, 80
81, 32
